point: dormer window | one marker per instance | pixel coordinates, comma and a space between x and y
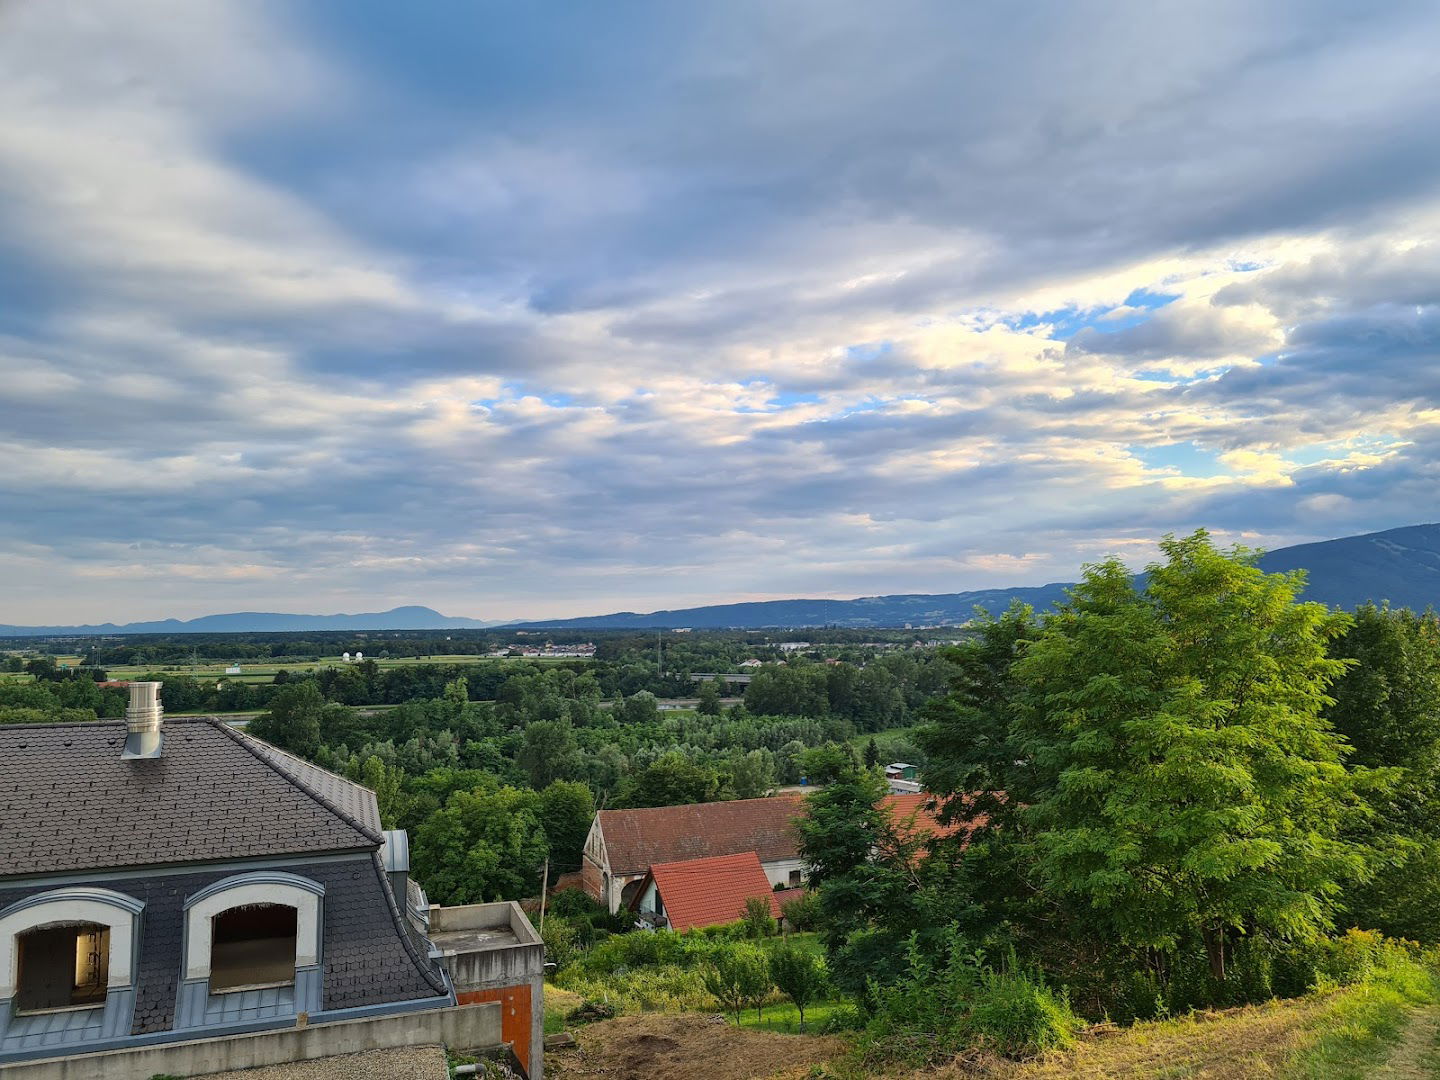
252, 946
62, 967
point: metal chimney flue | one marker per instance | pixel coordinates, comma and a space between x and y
143, 721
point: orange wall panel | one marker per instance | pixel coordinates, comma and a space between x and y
515, 1015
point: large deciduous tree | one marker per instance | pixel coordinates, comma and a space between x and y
1388, 705
1179, 784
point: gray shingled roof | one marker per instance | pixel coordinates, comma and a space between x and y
355, 800
69, 802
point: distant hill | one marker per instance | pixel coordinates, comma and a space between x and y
1399, 565
241, 622
915, 609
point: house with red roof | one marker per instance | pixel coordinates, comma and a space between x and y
623, 845
702, 892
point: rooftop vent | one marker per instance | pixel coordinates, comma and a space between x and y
143, 736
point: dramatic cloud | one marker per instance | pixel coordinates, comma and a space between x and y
518, 311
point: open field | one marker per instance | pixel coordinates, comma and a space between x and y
264, 671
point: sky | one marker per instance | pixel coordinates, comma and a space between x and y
534, 310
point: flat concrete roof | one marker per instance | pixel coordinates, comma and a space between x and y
477, 939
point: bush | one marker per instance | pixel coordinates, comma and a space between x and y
668, 988
757, 922
1018, 1016
645, 949
562, 942
937, 1009
803, 912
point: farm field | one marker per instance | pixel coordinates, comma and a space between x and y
264, 671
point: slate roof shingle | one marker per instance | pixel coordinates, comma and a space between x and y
69, 802
708, 892
635, 840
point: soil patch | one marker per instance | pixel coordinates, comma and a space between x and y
670, 1046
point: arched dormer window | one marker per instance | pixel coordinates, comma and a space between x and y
252, 931
67, 948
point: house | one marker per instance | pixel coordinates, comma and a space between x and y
903, 778
169, 881
752, 663
702, 892
623, 845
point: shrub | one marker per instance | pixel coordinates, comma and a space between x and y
938, 1008
802, 913
562, 942
1018, 1016
757, 922
668, 988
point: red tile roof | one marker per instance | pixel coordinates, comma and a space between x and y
707, 892
635, 840
638, 839
784, 896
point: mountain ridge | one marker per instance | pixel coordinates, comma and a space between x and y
1400, 566
407, 617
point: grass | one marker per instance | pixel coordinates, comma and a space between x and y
785, 1018
558, 1004
1366, 1023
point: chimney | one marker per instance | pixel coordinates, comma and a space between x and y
142, 721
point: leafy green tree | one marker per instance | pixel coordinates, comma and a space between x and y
757, 921
293, 721
777, 690
825, 764
1181, 787
1387, 704
860, 865
483, 845
968, 742
386, 782
799, 975
671, 780
738, 976
548, 751
566, 810
752, 774
639, 708
709, 698
872, 753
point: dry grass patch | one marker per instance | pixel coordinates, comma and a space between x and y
1229, 1044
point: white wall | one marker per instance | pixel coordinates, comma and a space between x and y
779, 871
68, 910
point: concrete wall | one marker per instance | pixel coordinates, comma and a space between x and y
511, 975
465, 1027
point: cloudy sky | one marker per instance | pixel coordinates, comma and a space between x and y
519, 309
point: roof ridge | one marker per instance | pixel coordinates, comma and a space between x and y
247, 740
786, 797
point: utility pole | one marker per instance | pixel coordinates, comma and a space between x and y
544, 893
